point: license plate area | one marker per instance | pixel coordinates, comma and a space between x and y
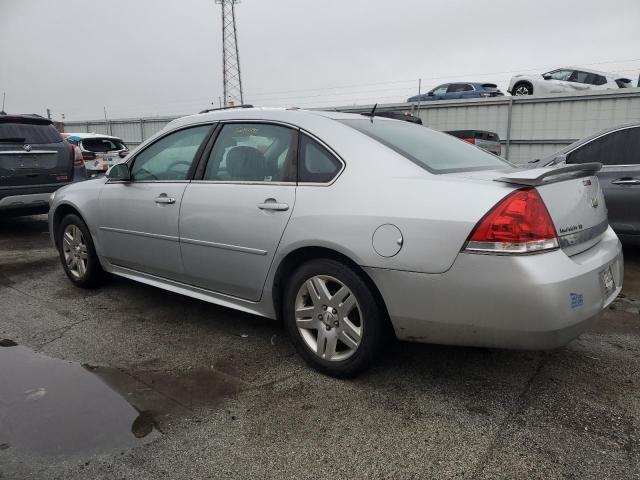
607, 281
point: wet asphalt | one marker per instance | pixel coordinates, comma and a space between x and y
132, 382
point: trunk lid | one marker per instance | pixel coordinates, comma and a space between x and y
572, 195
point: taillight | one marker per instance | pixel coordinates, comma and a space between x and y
88, 156
519, 223
469, 140
78, 161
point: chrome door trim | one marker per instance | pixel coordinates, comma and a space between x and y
243, 182
224, 246
24, 152
141, 234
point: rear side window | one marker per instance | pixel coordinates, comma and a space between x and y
434, 151
317, 164
102, 145
617, 148
27, 133
459, 87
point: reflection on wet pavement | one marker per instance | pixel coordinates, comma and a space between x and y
55, 407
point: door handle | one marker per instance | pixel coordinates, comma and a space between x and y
626, 181
281, 207
164, 200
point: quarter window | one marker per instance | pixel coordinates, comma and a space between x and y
617, 148
253, 152
317, 164
171, 157
459, 87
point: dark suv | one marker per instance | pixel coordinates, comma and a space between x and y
34, 161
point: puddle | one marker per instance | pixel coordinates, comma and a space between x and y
55, 407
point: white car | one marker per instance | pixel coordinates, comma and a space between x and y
565, 80
99, 152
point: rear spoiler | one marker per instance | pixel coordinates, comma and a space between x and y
540, 176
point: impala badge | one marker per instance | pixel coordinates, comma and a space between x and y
594, 202
27, 147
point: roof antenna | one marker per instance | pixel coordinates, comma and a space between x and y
373, 111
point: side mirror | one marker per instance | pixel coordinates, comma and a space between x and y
546, 76
119, 172
430, 94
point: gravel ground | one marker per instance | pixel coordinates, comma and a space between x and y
214, 393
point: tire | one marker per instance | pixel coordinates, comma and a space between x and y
522, 88
352, 328
78, 249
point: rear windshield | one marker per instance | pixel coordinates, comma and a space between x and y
102, 144
434, 151
28, 133
623, 82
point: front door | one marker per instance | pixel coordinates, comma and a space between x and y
232, 219
138, 224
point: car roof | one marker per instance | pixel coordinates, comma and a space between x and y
587, 70
27, 117
83, 135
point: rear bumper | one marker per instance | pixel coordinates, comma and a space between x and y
522, 302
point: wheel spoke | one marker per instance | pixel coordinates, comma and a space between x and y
326, 344
71, 262
350, 334
68, 240
320, 290
346, 306
81, 268
305, 312
308, 323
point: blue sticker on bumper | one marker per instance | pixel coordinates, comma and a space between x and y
576, 300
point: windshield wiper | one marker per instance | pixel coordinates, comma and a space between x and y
12, 139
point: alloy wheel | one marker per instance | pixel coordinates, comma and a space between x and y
522, 90
328, 318
75, 251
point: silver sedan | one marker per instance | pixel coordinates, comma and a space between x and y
353, 230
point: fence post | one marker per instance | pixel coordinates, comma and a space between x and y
508, 139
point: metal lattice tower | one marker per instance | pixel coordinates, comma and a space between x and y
232, 83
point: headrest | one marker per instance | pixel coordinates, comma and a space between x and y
246, 163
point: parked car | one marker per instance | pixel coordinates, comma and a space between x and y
350, 229
618, 149
34, 161
452, 91
568, 79
490, 141
98, 151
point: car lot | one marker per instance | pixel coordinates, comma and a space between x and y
223, 395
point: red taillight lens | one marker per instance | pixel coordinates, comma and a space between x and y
88, 156
78, 161
519, 223
469, 140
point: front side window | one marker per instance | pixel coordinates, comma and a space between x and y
617, 148
459, 87
317, 164
253, 152
558, 75
434, 151
171, 157
581, 77
441, 90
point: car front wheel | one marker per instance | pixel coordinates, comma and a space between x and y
333, 318
77, 253
522, 89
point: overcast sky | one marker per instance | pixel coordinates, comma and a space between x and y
163, 57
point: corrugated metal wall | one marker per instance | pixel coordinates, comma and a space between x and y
529, 127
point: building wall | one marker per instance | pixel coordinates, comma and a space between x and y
529, 127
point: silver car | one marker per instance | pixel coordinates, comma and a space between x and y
352, 230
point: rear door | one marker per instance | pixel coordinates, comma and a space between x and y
32, 152
619, 152
233, 218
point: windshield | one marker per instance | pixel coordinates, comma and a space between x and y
102, 145
434, 151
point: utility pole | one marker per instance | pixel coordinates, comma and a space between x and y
419, 93
4, 95
48, 114
232, 83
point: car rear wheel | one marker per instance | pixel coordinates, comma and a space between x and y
77, 253
333, 318
522, 89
